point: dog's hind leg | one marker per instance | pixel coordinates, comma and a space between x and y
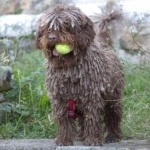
113, 116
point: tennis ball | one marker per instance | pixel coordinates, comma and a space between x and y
63, 48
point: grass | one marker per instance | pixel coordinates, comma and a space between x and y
136, 120
29, 113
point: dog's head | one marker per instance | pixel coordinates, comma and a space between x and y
67, 25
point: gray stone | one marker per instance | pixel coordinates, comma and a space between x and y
15, 47
2, 112
6, 76
24, 144
26, 44
6, 44
48, 144
17, 33
17, 25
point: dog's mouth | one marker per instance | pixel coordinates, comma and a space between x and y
55, 53
60, 49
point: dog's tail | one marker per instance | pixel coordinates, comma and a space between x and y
107, 25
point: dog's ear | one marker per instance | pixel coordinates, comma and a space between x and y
86, 35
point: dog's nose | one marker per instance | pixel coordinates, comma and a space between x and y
52, 37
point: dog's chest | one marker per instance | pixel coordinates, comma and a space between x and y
83, 81
67, 83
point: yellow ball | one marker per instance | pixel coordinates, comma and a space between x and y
63, 48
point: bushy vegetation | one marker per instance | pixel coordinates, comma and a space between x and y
29, 111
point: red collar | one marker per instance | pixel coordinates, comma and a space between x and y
71, 108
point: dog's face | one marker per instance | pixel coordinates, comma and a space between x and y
67, 25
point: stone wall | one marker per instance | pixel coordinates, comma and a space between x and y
27, 6
17, 30
17, 33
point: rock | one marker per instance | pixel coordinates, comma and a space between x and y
135, 41
5, 6
2, 111
34, 6
6, 76
127, 42
6, 44
12, 48
26, 44
16, 26
27, 6
136, 47
17, 33
16, 44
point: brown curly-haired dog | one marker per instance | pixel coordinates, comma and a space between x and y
86, 85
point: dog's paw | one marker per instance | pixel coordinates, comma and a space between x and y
80, 137
112, 139
93, 142
63, 142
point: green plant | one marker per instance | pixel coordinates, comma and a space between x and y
18, 11
4, 60
28, 113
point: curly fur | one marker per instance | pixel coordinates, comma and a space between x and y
107, 26
91, 74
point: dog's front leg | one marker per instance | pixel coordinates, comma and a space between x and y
66, 126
